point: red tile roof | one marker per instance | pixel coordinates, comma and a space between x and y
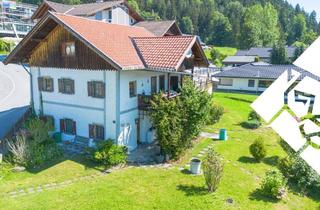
164, 52
112, 40
124, 47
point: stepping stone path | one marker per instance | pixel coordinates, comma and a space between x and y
91, 177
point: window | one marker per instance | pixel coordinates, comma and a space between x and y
68, 126
264, 83
133, 89
226, 82
162, 83
251, 83
66, 86
45, 84
153, 85
68, 49
96, 131
96, 89
110, 16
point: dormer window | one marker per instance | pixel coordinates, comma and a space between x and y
68, 49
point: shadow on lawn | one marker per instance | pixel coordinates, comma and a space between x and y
259, 196
193, 190
272, 161
78, 159
239, 99
245, 159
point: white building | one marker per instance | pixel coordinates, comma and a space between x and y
254, 77
95, 79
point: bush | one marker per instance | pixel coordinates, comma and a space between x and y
34, 147
253, 115
251, 124
212, 169
110, 154
258, 149
19, 150
215, 113
297, 170
273, 184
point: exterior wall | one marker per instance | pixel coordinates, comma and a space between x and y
117, 112
79, 107
241, 84
120, 16
129, 107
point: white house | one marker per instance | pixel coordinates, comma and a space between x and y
95, 79
117, 11
254, 77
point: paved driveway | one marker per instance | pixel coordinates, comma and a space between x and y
14, 95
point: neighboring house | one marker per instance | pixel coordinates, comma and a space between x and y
118, 12
264, 53
255, 77
161, 28
238, 60
95, 79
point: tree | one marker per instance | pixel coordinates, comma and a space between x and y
186, 25
235, 12
298, 29
270, 30
312, 21
252, 27
279, 54
221, 29
178, 121
300, 48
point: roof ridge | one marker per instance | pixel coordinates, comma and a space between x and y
93, 20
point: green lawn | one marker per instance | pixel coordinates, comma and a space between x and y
224, 51
151, 188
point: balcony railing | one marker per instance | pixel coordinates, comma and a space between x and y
144, 101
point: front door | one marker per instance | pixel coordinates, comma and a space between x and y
153, 85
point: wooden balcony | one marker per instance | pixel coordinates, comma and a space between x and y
144, 101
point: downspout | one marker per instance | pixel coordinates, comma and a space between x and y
31, 85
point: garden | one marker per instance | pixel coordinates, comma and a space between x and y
256, 171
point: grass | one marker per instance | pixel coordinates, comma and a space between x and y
146, 188
223, 51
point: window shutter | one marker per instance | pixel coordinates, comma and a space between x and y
90, 89
60, 84
103, 90
72, 86
62, 126
40, 83
102, 133
91, 131
50, 80
74, 130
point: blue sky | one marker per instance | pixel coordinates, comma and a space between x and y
308, 5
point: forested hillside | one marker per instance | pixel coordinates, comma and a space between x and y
234, 23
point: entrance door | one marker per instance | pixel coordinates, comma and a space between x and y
174, 83
153, 85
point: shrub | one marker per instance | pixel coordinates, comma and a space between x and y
110, 154
251, 124
258, 149
253, 115
212, 170
297, 170
178, 121
19, 150
215, 113
34, 147
273, 184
